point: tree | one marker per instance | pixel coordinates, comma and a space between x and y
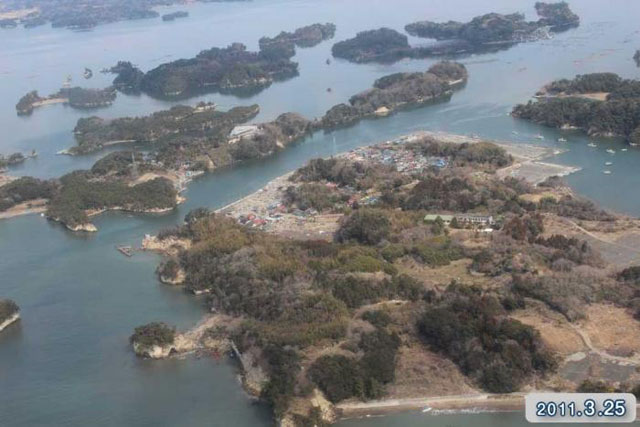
366, 226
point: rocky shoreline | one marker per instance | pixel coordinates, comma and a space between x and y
12, 319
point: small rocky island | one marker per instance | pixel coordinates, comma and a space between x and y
486, 32
154, 340
75, 97
9, 313
11, 160
601, 104
233, 69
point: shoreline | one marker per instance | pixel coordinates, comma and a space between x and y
9, 321
436, 405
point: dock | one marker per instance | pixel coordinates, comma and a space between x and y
125, 250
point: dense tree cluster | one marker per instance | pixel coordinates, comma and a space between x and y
341, 377
472, 329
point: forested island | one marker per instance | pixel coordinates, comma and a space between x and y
396, 91
227, 70
601, 104
204, 135
420, 269
80, 15
483, 33
9, 313
75, 97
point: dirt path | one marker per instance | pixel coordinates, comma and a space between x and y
600, 239
635, 360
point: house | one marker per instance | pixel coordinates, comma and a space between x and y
433, 217
240, 132
473, 219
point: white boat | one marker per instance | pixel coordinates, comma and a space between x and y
539, 136
624, 149
591, 144
514, 132
608, 163
610, 151
606, 172
562, 140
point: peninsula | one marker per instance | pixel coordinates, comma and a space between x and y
227, 70
406, 272
483, 33
75, 97
601, 104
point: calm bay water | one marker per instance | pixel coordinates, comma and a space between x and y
67, 362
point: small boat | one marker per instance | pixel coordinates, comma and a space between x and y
427, 409
515, 132
328, 61
88, 73
610, 151
606, 172
539, 137
562, 140
329, 89
608, 163
624, 149
591, 144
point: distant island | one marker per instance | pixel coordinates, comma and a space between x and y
487, 32
424, 269
601, 104
227, 70
80, 16
9, 313
175, 15
75, 97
